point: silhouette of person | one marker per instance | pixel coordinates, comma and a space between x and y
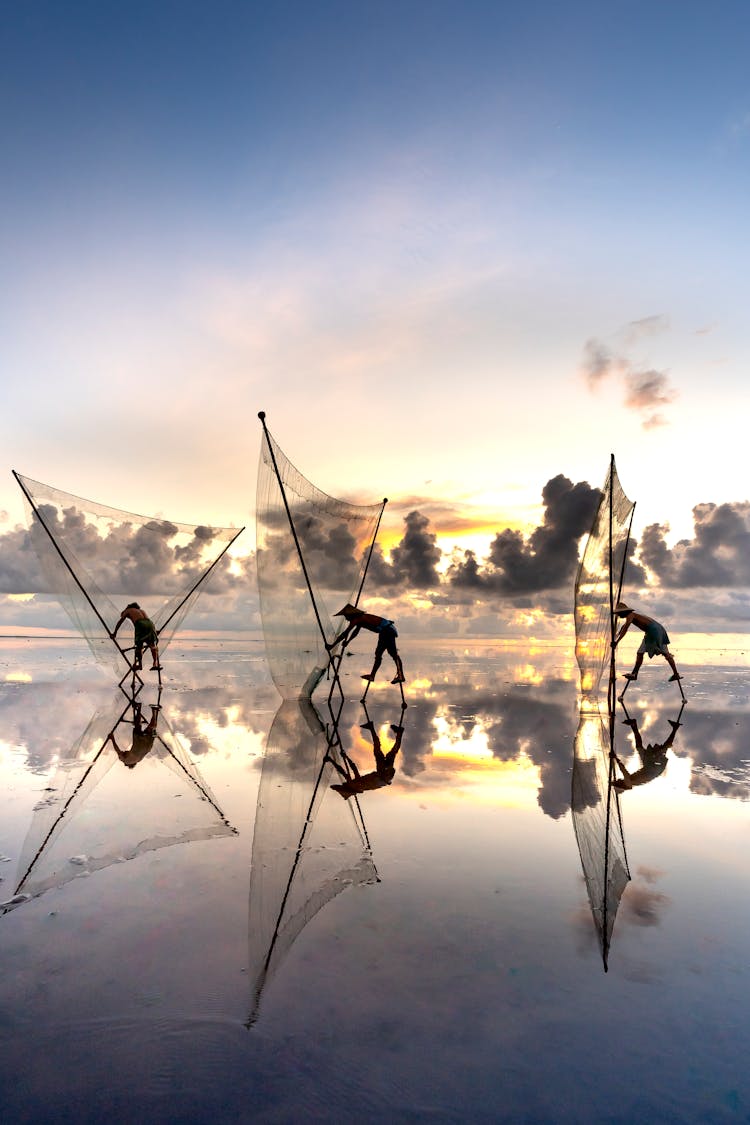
654, 643
653, 756
386, 632
384, 771
145, 635
143, 737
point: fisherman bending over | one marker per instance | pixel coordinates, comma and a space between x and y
655, 640
386, 630
145, 635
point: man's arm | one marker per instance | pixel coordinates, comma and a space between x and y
113, 634
348, 635
623, 631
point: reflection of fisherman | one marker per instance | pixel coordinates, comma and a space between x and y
386, 630
145, 635
653, 756
384, 771
655, 640
143, 737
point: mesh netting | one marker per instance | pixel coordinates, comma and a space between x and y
308, 843
599, 581
97, 812
598, 823
335, 539
96, 559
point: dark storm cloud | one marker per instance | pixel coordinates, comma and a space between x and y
717, 555
548, 558
413, 562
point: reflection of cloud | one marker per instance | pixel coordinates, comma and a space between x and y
642, 906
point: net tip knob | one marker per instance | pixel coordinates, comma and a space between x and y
262, 415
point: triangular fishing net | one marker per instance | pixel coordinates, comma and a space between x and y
599, 581
308, 843
97, 812
598, 823
96, 559
303, 583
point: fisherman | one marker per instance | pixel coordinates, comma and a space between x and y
386, 630
655, 639
143, 737
384, 771
653, 756
145, 635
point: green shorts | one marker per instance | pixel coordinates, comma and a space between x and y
145, 633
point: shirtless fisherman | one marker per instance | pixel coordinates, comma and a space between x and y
655, 639
357, 619
145, 635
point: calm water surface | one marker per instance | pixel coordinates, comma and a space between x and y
203, 929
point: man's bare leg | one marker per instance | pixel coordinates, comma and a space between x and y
636, 668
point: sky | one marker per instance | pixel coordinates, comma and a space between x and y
455, 251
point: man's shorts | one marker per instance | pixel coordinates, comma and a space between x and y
145, 633
655, 641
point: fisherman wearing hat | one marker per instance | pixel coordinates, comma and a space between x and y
386, 630
655, 639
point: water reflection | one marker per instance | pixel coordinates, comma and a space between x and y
354, 782
653, 756
83, 825
600, 777
308, 846
597, 821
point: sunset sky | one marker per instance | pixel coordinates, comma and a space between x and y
453, 250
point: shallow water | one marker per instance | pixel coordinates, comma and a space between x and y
172, 964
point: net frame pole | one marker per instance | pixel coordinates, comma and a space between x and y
72, 573
262, 416
369, 553
202, 578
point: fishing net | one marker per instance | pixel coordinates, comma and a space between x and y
599, 581
95, 560
598, 824
97, 812
303, 583
309, 844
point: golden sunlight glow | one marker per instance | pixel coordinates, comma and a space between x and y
20, 597
527, 674
452, 742
231, 737
18, 678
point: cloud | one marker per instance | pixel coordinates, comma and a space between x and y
718, 555
597, 362
414, 560
644, 389
547, 559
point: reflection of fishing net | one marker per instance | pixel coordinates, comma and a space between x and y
598, 824
599, 580
308, 844
302, 584
96, 812
96, 559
